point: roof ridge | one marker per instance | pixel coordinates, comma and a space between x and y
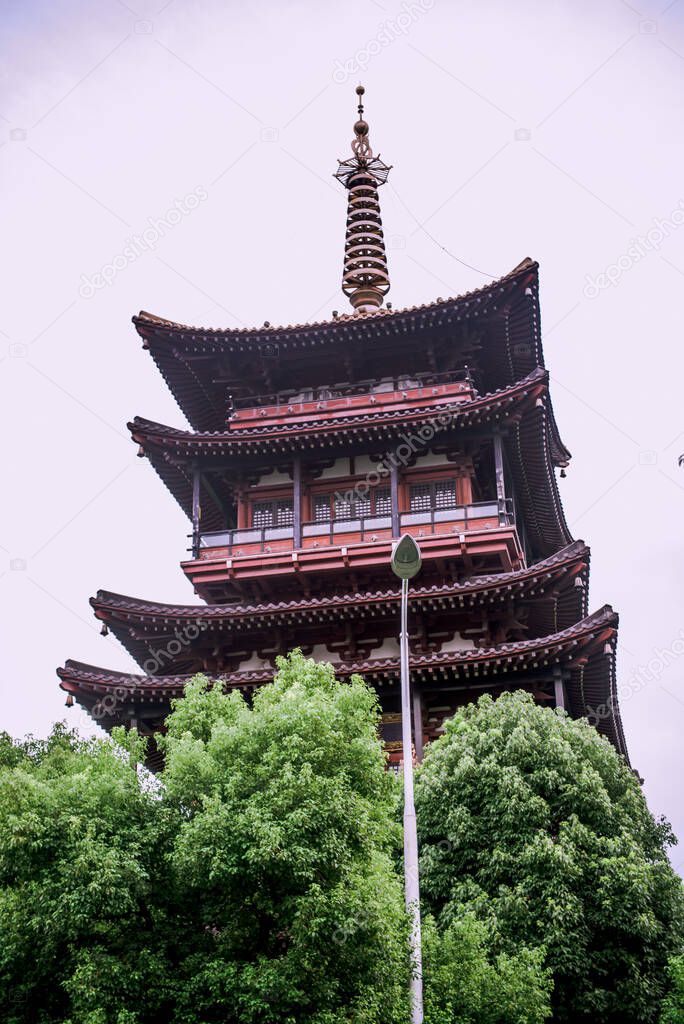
146, 318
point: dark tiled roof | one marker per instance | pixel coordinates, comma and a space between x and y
477, 295
544, 650
587, 646
385, 423
475, 587
193, 360
145, 626
526, 402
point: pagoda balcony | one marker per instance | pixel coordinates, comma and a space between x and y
340, 400
482, 535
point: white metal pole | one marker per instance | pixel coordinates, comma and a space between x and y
411, 880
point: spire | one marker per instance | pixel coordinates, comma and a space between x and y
365, 280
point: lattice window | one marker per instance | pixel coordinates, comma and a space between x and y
437, 494
344, 506
284, 509
321, 508
420, 497
383, 501
445, 493
277, 512
362, 507
262, 513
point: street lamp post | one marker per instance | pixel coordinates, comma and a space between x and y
405, 564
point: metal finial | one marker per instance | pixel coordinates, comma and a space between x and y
365, 280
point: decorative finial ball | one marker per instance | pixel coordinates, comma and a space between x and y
361, 128
360, 90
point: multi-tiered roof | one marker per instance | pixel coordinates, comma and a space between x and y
311, 448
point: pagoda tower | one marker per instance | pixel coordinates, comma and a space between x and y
311, 449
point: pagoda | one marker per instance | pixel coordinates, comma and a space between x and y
311, 449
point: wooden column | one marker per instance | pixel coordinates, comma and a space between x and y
196, 511
464, 487
394, 498
558, 687
499, 468
418, 723
241, 500
297, 502
500, 480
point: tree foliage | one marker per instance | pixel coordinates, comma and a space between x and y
673, 1006
255, 883
533, 824
258, 878
465, 983
79, 902
284, 851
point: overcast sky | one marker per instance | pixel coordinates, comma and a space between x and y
550, 130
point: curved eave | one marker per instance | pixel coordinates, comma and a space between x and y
586, 648
517, 350
138, 624
175, 346
377, 425
293, 332
522, 407
529, 447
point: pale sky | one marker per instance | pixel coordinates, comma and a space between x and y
550, 130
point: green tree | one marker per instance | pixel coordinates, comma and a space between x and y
673, 1006
466, 984
284, 852
254, 882
81, 883
532, 823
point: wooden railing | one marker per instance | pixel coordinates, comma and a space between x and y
278, 402
356, 529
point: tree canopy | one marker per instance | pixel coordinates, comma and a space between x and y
534, 826
673, 1006
253, 883
258, 878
